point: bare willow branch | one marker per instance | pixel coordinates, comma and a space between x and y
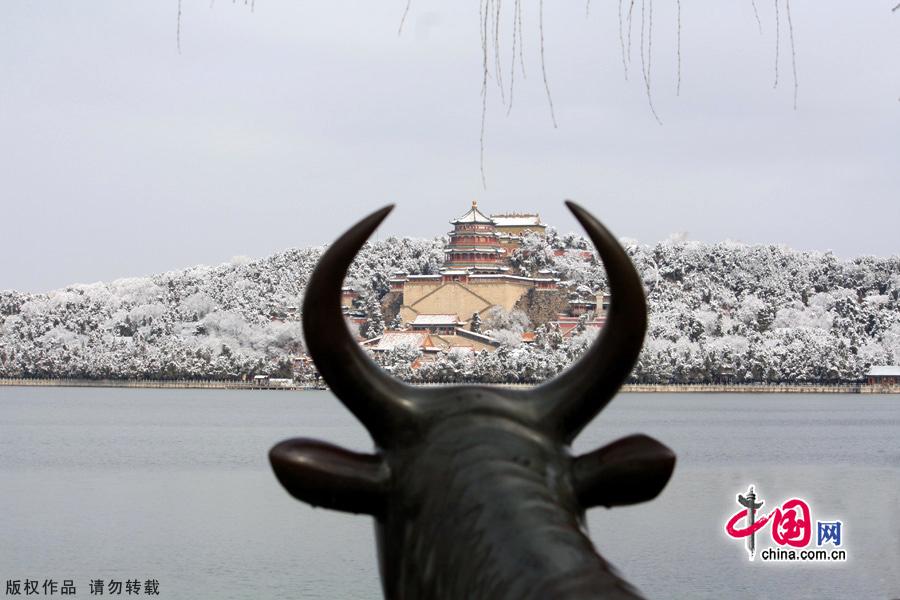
630, 12
777, 42
483, 5
497, 68
521, 38
483, 8
512, 66
678, 47
647, 23
543, 62
622, 43
643, 59
178, 29
403, 18
787, 8
756, 14
650, 57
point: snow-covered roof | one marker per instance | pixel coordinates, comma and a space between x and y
398, 339
467, 233
463, 350
884, 371
567, 327
512, 277
438, 319
469, 248
517, 220
473, 216
476, 336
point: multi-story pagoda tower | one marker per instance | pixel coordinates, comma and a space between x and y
475, 277
474, 244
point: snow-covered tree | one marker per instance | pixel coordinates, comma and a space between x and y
757, 313
475, 323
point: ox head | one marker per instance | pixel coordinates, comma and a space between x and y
474, 489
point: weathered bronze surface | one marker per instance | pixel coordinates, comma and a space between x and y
474, 491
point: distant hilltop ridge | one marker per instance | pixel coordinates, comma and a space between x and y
725, 311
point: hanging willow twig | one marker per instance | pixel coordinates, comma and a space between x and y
483, 9
178, 29
512, 66
622, 43
777, 42
678, 47
787, 8
492, 17
497, 67
756, 15
646, 59
543, 62
403, 18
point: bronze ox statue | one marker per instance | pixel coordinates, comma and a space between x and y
473, 488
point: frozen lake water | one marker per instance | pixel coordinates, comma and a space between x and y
175, 485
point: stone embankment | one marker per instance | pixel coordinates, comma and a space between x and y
747, 388
756, 388
224, 384
211, 384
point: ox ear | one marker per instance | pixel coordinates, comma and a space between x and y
321, 474
628, 471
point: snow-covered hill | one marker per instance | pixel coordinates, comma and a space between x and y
745, 313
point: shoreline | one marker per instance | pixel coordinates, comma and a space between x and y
691, 388
193, 384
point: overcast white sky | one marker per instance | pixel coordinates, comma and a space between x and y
280, 127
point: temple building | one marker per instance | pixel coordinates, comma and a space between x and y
475, 245
511, 227
883, 375
476, 272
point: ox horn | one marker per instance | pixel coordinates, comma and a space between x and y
380, 402
567, 403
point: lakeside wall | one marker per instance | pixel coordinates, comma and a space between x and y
755, 388
200, 384
750, 388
